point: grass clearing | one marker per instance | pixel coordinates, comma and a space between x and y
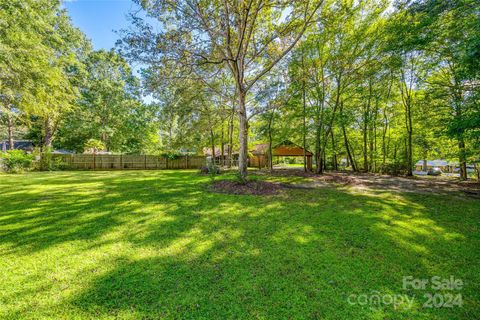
153, 244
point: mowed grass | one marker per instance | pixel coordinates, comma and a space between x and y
158, 244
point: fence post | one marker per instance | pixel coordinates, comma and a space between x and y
166, 162
94, 165
121, 162
145, 162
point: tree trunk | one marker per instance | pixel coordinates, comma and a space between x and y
10, 131
334, 157
407, 101
212, 141
317, 148
222, 149
320, 165
270, 140
230, 139
373, 140
270, 154
366, 125
347, 147
409, 154
371, 165
365, 152
347, 144
104, 138
243, 135
304, 127
48, 139
462, 159
384, 135
324, 160
408, 110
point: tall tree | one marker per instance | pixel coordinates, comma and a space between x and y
247, 37
39, 61
452, 33
109, 108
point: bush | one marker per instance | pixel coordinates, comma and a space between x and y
171, 156
394, 168
48, 162
211, 169
16, 161
94, 145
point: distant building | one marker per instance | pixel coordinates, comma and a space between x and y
219, 159
25, 145
287, 148
443, 165
61, 151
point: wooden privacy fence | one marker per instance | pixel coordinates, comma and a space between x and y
126, 162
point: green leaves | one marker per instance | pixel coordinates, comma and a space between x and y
39, 59
109, 109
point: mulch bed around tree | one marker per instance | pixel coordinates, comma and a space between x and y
250, 188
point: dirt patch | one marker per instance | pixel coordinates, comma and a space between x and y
416, 184
338, 179
250, 188
379, 182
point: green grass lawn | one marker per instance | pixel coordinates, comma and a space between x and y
158, 244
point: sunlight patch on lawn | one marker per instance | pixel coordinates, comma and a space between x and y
153, 244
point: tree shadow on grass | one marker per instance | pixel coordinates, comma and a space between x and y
295, 256
85, 206
196, 254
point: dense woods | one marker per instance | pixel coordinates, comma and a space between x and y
366, 85
57, 91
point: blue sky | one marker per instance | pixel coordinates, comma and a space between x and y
99, 18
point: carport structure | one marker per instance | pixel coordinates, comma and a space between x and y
287, 148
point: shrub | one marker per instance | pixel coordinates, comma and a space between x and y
171, 156
48, 162
16, 161
94, 145
211, 169
394, 168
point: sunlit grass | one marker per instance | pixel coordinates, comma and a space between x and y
153, 244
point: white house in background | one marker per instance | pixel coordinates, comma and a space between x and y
444, 165
441, 164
